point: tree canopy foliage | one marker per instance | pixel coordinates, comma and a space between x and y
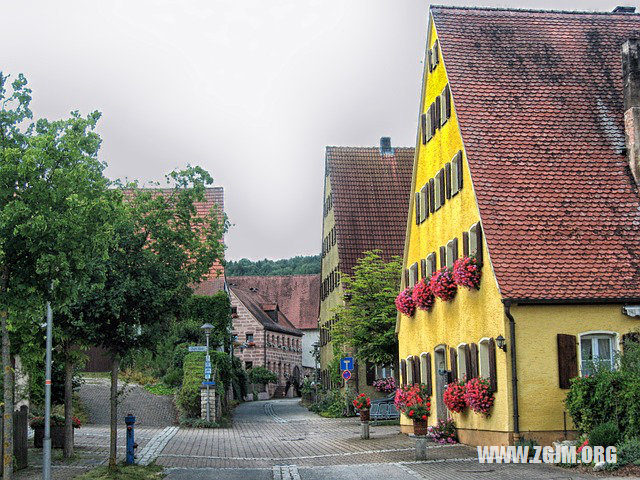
366, 323
300, 265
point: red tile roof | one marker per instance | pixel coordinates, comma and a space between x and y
538, 95
370, 200
296, 295
256, 303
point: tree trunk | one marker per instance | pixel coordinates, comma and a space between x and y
7, 437
68, 403
115, 365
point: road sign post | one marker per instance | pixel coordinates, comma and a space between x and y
346, 363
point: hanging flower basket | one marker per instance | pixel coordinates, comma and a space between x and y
467, 273
478, 396
422, 295
405, 303
454, 396
442, 284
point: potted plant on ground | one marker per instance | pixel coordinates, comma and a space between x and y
57, 430
362, 403
414, 402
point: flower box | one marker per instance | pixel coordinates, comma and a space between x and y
467, 273
405, 303
57, 436
442, 284
422, 295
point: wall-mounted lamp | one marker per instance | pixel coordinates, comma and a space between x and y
502, 345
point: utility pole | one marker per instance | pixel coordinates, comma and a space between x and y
46, 443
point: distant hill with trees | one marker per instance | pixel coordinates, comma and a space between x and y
299, 265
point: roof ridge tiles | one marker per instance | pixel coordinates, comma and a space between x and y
531, 10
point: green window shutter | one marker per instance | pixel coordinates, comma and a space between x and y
447, 103
438, 111
479, 242
403, 372
423, 268
465, 244
443, 257
442, 187
427, 368
417, 207
423, 127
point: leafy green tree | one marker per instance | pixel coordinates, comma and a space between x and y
51, 220
366, 323
163, 248
299, 265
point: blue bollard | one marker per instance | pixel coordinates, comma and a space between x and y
130, 420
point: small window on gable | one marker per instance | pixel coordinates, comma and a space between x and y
596, 351
413, 274
452, 252
483, 358
431, 264
249, 337
462, 361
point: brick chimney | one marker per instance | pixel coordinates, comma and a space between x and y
385, 146
631, 86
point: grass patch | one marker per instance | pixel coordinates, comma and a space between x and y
160, 389
122, 472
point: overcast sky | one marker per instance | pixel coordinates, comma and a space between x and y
251, 90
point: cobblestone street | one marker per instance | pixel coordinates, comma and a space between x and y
279, 439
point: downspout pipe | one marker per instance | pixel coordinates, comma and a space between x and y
514, 369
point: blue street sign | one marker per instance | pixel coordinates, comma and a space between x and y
198, 348
346, 363
208, 383
346, 374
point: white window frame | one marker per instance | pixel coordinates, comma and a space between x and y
454, 175
473, 240
410, 379
595, 334
437, 195
462, 361
424, 374
449, 250
483, 358
413, 274
432, 264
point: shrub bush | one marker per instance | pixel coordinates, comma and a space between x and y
605, 435
608, 395
262, 376
629, 452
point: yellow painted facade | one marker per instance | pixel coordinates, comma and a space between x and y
474, 315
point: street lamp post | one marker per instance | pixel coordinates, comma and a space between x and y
207, 327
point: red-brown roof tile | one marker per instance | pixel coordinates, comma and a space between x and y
539, 100
370, 200
255, 301
297, 296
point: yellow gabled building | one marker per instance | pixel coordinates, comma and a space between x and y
520, 161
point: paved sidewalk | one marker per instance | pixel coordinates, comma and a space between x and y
150, 410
